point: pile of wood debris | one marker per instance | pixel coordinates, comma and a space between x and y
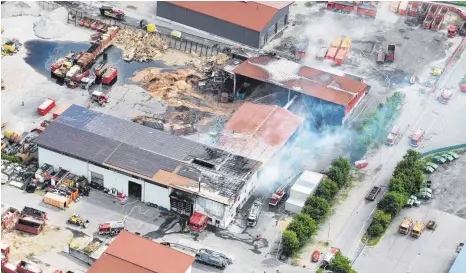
140, 46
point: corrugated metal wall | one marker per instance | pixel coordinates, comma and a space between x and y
212, 25
275, 26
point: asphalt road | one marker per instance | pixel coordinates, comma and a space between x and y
443, 126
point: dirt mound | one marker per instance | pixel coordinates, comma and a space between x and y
140, 46
52, 25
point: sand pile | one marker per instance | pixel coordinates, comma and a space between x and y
140, 46
20, 8
52, 25
177, 89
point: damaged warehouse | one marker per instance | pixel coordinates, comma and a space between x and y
321, 92
153, 166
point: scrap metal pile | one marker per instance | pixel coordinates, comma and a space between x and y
215, 78
140, 46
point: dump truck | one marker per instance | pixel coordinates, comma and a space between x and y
417, 230
254, 213
373, 193
390, 56
111, 12
405, 226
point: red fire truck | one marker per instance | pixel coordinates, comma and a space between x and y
445, 96
111, 228
393, 136
198, 221
417, 138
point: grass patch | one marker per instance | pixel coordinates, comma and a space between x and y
458, 3
372, 241
39, 192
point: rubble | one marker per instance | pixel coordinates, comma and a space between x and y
140, 46
52, 25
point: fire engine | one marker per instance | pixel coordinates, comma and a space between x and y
111, 228
417, 138
198, 221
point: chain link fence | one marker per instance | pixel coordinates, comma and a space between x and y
181, 44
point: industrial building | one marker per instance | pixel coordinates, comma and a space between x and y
328, 98
305, 185
154, 166
135, 254
258, 131
246, 22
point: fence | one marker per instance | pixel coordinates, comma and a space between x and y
181, 44
444, 149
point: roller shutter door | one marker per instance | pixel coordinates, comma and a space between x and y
97, 178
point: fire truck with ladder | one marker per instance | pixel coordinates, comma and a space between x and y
111, 228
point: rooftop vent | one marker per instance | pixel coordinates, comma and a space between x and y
203, 163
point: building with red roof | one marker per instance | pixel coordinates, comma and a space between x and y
258, 130
326, 95
135, 254
246, 22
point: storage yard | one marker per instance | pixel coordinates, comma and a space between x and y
190, 136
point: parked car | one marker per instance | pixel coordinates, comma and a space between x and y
448, 157
454, 155
439, 159
430, 167
212, 258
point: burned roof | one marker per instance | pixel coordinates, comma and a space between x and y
248, 14
143, 151
135, 254
258, 130
303, 79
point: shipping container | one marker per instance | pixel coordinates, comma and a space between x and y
56, 200
8, 216
294, 205
346, 43
394, 6
340, 57
28, 211
337, 42
367, 11
331, 53
30, 224
45, 107
60, 110
403, 7
300, 192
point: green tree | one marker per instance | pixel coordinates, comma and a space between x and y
290, 242
392, 203
327, 189
340, 264
382, 218
317, 208
343, 164
375, 229
338, 175
304, 227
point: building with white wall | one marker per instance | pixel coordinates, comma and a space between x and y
173, 172
305, 185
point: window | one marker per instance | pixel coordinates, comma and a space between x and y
217, 222
209, 220
203, 163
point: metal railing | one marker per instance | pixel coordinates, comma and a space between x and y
182, 44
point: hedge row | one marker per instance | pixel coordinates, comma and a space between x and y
11, 158
316, 210
407, 179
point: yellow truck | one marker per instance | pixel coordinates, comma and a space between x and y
405, 226
418, 229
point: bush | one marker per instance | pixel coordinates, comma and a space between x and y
304, 227
290, 243
317, 208
392, 203
382, 218
375, 229
340, 264
327, 189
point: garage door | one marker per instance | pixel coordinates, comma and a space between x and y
182, 204
97, 178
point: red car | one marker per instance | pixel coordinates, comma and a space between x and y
463, 88
315, 256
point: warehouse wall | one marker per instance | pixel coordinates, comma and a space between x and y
150, 192
275, 26
324, 112
209, 24
58, 160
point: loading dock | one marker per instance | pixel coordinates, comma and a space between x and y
134, 189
